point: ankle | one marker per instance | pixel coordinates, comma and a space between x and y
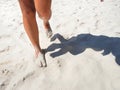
47, 25
37, 51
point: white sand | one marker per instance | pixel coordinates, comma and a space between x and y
87, 58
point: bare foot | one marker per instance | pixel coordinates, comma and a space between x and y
40, 59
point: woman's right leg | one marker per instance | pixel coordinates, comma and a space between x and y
43, 8
29, 21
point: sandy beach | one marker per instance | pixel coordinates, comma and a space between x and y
83, 53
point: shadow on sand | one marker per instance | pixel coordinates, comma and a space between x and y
80, 43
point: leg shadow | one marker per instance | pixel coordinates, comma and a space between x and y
78, 44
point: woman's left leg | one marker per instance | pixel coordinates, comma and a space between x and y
31, 28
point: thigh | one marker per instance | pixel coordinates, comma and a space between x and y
42, 6
27, 6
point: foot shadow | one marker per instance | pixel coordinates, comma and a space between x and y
77, 45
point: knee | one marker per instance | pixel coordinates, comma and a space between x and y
28, 13
45, 15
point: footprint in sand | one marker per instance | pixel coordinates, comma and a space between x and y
4, 36
5, 50
5, 71
59, 63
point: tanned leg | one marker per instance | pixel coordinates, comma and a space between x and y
30, 24
43, 7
